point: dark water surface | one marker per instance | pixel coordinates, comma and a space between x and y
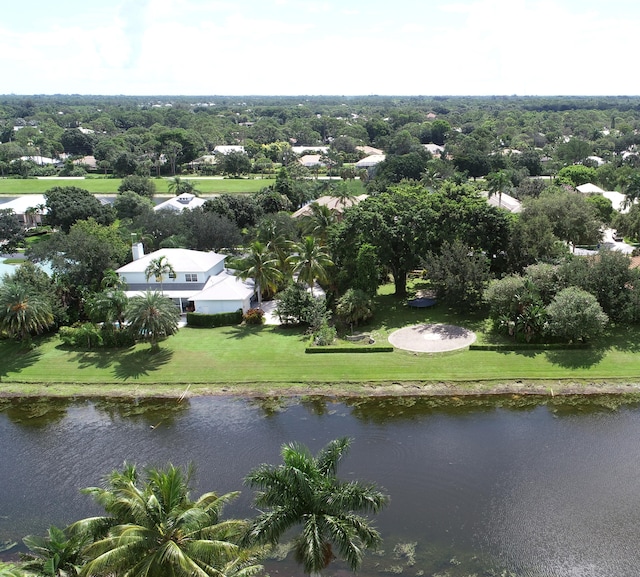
480, 487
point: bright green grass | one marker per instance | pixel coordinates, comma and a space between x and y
10, 186
266, 357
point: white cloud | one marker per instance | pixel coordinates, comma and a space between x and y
294, 47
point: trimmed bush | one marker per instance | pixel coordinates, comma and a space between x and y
203, 320
362, 349
529, 347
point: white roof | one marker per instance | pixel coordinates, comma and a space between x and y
22, 203
181, 259
371, 160
505, 201
434, 148
303, 149
589, 188
310, 160
225, 287
180, 202
332, 202
617, 200
227, 148
369, 150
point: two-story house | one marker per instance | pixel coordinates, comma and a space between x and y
199, 280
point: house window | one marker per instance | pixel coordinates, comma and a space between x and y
172, 275
191, 277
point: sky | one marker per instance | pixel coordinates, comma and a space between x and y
319, 47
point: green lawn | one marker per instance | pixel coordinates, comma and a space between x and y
269, 359
9, 186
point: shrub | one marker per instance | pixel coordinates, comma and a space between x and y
575, 314
83, 336
254, 317
214, 320
324, 335
355, 306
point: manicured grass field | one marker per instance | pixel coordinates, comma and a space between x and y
267, 358
9, 186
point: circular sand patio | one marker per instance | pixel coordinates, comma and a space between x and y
432, 338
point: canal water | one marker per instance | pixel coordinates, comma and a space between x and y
482, 486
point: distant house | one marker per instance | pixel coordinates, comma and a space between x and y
434, 149
228, 149
369, 150
617, 198
311, 161
301, 150
28, 208
201, 283
181, 202
333, 203
370, 161
503, 201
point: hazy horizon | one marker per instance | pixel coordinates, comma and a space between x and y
326, 47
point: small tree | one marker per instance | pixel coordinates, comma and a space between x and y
355, 306
152, 317
11, 231
296, 305
158, 267
575, 315
459, 274
141, 185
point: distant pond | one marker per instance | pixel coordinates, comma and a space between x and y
479, 486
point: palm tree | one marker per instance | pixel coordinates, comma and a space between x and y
152, 316
498, 182
310, 262
57, 555
318, 221
305, 492
154, 529
108, 306
158, 267
179, 186
261, 266
23, 312
631, 190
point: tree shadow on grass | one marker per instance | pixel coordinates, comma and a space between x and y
576, 358
100, 359
244, 331
141, 363
16, 357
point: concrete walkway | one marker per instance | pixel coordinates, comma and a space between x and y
432, 338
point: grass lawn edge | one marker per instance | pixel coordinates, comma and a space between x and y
533, 387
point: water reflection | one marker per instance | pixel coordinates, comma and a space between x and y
542, 486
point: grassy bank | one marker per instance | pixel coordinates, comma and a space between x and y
10, 186
271, 360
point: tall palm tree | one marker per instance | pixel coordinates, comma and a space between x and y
23, 312
262, 267
157, 268
310, 262
499, 182
305, 492
631, 190
152, 316
318, 221
154, 529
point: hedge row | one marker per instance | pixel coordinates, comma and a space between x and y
216, 320
363, 349
530, 347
